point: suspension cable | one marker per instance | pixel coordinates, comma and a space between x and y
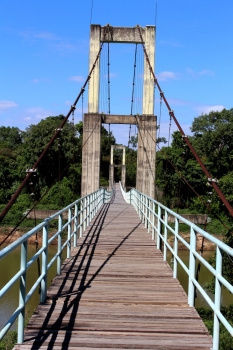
134, 74
211, 180
108, 80
160, 114
47, 190
109, 109
56, 134
132, 98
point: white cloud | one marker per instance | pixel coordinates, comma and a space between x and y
35, 114
204, 72
39, 35
169, 43
208, 109
77, 78
58, 43
39, 80
166, 76
7, 104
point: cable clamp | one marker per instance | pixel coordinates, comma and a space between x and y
31, 170
171, 112
212, 180
73, 108
59, 129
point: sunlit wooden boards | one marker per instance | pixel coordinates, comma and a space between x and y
116, 292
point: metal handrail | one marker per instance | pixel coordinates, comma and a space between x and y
80, 213
155, 217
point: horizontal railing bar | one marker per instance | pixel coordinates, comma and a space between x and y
10, 283
11, 321
33, 288
77, 215
161, 229
35, 257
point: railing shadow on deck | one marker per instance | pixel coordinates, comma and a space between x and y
71, 222
155, 217
73, 298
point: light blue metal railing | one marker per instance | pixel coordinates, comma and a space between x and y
71, 222
157, 219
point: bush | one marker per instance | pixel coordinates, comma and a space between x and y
8, 342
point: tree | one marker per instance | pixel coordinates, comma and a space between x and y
107, 139
62, 153
214, 142
175, 166
10, 147
10, 137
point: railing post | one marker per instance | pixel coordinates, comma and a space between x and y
153, 222
91, 207
144, 215
88, 210
59, 245
147, 214
192, 267
69, 234
75, 224
81, 219
165, 237
22, 292
84, 214
43, 293
217, 299
150, 216
175, 248
159, 228
94, 204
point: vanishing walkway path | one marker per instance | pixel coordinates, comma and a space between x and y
116, 292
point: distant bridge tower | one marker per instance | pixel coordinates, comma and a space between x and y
93, 119
113, 166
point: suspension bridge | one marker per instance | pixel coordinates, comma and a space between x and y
115, 289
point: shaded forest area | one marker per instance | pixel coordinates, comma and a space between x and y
180, 181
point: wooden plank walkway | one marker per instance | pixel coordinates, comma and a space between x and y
116, 292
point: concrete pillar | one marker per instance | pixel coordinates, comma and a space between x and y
91, 153
123, 175
112, 150
148, 87
123, 156
145, 182
123, 169
93, 92
111, 176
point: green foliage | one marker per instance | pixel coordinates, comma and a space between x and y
8, 342
59, 196
131, 167
107, 139
213, 140
226, 340
10, 137
179, 175
58, 157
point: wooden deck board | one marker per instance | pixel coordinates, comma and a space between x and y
116, 292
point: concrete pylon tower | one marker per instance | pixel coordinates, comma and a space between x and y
146, 122
112, 167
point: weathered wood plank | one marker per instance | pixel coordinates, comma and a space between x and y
116, 292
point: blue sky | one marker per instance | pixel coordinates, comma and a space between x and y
45, 50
